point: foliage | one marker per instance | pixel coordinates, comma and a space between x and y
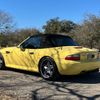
6, 22
54, 26
14, 38
88, 33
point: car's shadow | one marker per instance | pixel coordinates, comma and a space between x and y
23, 72
88, 78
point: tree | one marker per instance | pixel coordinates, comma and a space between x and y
88, 33
19, 35
24, 33
52, 26
56, 26
6, 26
67, 26
6, 22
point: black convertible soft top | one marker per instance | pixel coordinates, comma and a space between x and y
51, 35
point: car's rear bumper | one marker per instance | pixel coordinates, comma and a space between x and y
74, 68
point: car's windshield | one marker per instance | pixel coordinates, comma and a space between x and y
62, 41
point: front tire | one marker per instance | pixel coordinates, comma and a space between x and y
94, 71
2, 65
48, 69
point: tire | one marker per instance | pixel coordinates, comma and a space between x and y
48, 69
2, 65
94, 71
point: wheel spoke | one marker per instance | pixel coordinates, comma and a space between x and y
48, 63
1, 61
45, 74
47, 69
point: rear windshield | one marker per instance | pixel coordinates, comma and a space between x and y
62, 41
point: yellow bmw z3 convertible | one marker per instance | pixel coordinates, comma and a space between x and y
50, 55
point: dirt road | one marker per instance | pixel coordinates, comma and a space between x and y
18, 85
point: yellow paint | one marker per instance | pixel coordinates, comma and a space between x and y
24, 60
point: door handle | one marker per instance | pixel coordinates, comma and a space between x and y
7, 52
31, 53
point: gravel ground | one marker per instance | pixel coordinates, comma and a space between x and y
20, 85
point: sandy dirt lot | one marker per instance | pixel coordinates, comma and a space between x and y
20, 85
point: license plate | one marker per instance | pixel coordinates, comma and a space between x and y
91, 56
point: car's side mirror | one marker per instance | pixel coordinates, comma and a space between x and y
22, 49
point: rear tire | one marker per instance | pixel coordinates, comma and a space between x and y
48, 69
94, 71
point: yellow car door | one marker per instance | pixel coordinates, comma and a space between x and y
33, 62
21, 59
25, 54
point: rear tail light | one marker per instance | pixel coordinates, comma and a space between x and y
74, 57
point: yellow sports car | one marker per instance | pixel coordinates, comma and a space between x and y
50, 55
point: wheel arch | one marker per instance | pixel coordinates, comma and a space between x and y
57, 74
44, 58
49, 58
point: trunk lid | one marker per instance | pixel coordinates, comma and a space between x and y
86, 54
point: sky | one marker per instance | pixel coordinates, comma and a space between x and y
35, 13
